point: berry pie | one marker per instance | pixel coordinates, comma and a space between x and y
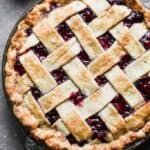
78, 73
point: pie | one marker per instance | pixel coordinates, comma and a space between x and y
78, 73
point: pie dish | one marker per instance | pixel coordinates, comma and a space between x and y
78, 73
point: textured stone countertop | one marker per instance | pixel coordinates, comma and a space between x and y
11, 133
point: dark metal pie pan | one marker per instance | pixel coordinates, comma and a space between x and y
29, 142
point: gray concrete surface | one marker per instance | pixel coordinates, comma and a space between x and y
11, 133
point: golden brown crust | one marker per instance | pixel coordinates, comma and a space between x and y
53, 138
138, 6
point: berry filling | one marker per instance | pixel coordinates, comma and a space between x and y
84, 58
101, 80
40, 51
145, 40
72, 140
59, 75
98, 127
134, 17
52, 116
144, 86
65, 31
28, 31
117, 2
36, 92
87, 14
123, 108
54, 5
106, 40
77, 98
19, 68
125, 61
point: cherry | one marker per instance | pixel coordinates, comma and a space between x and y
101, 80
87, 14
123, 108
59, 75
84, 58
52, 116
36, 92
19, 68
64, 31
106, 40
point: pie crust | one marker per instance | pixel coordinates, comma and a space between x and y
123, 131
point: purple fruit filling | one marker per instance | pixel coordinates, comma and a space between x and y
98, 127
123, 108
84, 58
28, 31
143, 85
117, 2
145, 40
125, 61
54, 5
59, 75
77, 98
52, 116
19, 68
72, 140
106, 40
87, 14
101, 80
40, 51
134, 17
65, 31
36, 92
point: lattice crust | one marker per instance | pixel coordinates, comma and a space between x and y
87, 73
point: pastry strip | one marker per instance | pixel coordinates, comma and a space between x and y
105, 61
39, 75
108, 19
124, 87
74, 122
57, 95
81, 76
113, 120
89, 43
97, 101
62, 55
60, 14
98, 6
139, 67
128, 40
48, 35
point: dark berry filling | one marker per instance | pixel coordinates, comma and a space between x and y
28, 31
101, 80
98, 127
87, 14
123, 108
65, 31
106, 40
144, 86
19, 68
54, 5
36, 92
72, 140
52, 116
77, 98
84, 58
125, 61
117, 2
40, 51
59, 75
134, 17
145, 40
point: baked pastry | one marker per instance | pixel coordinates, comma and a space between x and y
78, 73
